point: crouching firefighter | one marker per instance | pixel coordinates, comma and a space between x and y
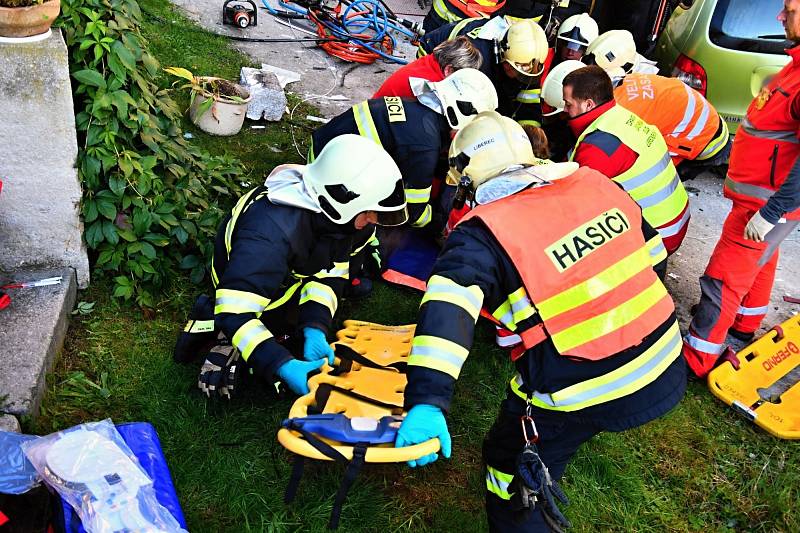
281, 262
561, 256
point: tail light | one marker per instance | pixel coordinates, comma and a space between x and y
691, 73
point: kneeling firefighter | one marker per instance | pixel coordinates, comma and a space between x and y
601, 345
281, 262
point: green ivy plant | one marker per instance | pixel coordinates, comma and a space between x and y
151, 202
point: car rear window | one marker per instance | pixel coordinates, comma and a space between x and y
748, 25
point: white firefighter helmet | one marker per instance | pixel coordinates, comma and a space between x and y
612, 50
352, 175
463, 94
553, 87
580, 29
525, 47
487, 146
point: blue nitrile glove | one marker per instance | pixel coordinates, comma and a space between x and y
423, 422
316, 346
295, 374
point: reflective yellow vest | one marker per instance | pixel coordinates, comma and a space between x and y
652, 181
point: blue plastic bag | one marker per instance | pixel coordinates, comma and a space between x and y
17, 474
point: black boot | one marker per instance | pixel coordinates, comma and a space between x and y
199, 334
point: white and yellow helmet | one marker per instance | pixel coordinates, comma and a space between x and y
486, 147
553, 86
525, 47
611, 51
352, 175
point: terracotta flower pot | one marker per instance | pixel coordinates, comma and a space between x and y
27, 21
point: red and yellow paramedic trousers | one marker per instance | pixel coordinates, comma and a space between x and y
735, 289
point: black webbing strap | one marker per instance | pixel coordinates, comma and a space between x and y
345, 352
350, 474
299, 461
323, 394
294, 479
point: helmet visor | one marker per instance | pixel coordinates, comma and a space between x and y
392, 218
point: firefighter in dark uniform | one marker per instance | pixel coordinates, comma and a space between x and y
515, 57
415, 132
600, 341
281, 262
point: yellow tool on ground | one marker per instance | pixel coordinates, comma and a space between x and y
764, 387
353, 410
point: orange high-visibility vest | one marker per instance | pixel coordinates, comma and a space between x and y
766, 145
455, 10
689, 124
579, 249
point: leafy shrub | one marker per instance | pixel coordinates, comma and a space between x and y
152, 202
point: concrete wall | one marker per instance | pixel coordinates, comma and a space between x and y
40, 201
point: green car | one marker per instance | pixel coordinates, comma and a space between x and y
726, 49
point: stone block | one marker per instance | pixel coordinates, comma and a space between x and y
33, 332
9, 423
267, 99
40, 224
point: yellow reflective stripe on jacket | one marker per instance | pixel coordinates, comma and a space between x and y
320, 293
497, 482
418, 196
529, 96
364, 122
716, 144
339, 270
594, 287
655, 247
625, 380
233, 301
441, 9
249, 336
652, 180
456, 31
240, 207
612, 320
424, 218
438, 354
214, 277
442, 289
515, 309
286, 296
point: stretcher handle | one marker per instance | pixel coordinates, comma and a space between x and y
375, 454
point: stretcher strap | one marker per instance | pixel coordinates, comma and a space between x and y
324, 392
359, 454
345, 352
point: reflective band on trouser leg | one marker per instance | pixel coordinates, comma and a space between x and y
655, 247
515, 309
237, 302
716, 144
320, 293
438, 354
702, 345
442, 289
763, 310
249, 336
425, 218
625, 380
364, 122
755, 304
497, 482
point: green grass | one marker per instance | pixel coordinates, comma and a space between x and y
701, 468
